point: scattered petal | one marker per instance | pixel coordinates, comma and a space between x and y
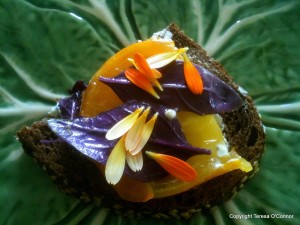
121, 127
134, 135
116, 163
147, 131
135, 162
156, 73
141, 81
192, 77
174, 166
163, 59
132, 61
141, 64
155, 81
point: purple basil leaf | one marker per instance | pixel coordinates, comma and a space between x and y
217, 96
70, 106
87, 135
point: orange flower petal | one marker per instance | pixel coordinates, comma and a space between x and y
135, 162
141, 81
115, 164
147, 131
141, 64
174, 166
192, 77
123, 125
155, 72
134, 135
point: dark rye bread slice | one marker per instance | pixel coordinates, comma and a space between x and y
76, 175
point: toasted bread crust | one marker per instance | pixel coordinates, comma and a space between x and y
76, 175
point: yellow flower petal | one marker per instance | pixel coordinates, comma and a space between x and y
163, 59
135, 162
174, 166
156, 73
134, 135
121, 127
132, 61
147, 130
137, 78
192, 76
157, 84
116, 163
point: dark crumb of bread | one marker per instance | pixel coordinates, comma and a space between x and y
76, 175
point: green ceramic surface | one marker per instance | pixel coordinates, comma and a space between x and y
46, 45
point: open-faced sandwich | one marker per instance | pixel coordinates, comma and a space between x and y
161, 129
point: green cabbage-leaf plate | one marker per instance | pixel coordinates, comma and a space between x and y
46, 45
